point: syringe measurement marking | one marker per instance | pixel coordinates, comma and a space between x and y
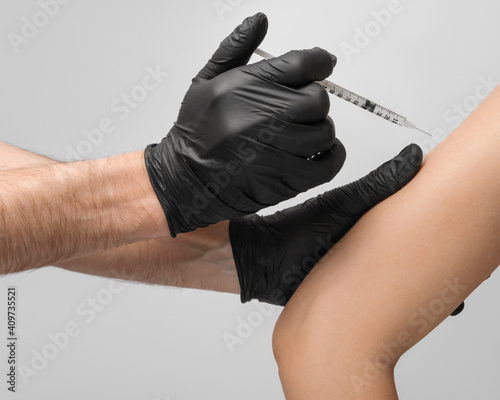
368, 105
359, 101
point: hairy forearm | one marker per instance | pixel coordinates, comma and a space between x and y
398, 273
202, 259
56, 212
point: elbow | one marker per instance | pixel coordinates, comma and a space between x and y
307, 360
319, 356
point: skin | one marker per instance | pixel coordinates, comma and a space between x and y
374, 296
107, 229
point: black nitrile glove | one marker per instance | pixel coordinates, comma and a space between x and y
458, 310
273, 254
245, 134
461, 307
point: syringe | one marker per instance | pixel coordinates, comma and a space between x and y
359, 101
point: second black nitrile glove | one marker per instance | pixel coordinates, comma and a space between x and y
273, 254
244, 134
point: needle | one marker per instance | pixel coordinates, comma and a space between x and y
359, 101
428, 134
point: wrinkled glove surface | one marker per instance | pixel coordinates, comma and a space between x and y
245, 134
274, 253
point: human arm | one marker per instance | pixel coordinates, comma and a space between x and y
232, 104
398, 273
201, 259
204, 259
220, 123
224, 121
51, 213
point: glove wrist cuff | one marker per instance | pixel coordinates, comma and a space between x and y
238, 234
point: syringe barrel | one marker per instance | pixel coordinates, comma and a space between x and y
363, 102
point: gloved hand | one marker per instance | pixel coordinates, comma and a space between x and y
245, 134
273, 254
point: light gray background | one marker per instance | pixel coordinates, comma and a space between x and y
162, 343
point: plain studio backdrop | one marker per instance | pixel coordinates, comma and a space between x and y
64, 69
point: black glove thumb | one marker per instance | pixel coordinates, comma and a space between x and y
274, 253
235, 50
381, 183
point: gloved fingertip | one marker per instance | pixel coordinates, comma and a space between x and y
237, 48
324, 63
413, 152
260, 19
334, 59
458, 310
391, 176
257, 21
409, 161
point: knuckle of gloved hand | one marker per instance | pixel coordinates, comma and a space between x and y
223, 87
217, 91
313, 102
295, 63
322, 99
